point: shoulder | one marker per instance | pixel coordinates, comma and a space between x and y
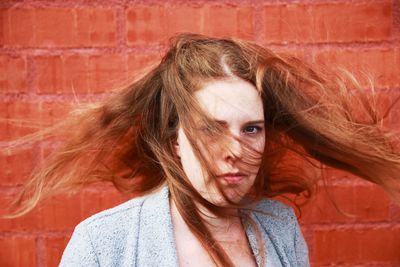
279, 222
275, 208
276, 216
110, 227
108, 236
116, 224
119, 217
117, 213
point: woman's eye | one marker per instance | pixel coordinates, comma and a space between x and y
252, 129
205, 130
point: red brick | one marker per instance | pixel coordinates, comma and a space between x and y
147, 24
53, 112
106, 72
49, 71
356, 246
97, 200
179, 20
331, 22
88, 73
76, 72
28, 222
96, 27
395, 212
54, 247
20, 114
13, 74
354, 204
60, 32
395, 111
294, 52
382, 64
227, 21
380, 101
79, 73
61, 212
64, 212
387, 107
16, 167
17, 251
28, 117
18, 27
3, 23
333, 175
59, 27
138, 65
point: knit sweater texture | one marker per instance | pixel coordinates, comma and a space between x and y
139, 232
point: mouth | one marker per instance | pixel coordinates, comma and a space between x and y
233, 178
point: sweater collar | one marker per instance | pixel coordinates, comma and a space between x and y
156, 243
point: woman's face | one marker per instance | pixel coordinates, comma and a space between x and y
237, 106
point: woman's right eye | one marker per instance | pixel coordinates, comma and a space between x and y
205, 129
252, 129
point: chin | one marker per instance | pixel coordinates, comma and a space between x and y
233, 195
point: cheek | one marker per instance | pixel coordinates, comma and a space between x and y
257, 148
257, 143
261, 144
190, 164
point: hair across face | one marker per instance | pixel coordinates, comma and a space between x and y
237, 107
204, 93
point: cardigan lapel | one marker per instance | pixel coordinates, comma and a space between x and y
156, 244
274, 240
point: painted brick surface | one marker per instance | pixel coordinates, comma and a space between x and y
57, 53
58, 27
54, 246
381, 64
149, 24
347, 204
383, 244
328, 22
13, 74
17, 250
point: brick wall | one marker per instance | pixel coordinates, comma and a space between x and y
54, 52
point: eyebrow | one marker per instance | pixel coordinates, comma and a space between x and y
249, 122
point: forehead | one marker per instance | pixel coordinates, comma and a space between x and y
231, 99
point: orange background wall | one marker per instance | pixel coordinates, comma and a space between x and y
50, 49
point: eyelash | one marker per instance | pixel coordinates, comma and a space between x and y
258, 129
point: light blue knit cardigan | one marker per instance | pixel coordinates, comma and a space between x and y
139, 233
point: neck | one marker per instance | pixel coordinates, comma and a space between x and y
217, 225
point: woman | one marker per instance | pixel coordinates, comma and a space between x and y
202, 137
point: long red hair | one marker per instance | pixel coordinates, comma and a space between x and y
128, 138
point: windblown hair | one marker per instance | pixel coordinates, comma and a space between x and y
128, 139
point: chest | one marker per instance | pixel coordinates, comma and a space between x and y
191, 252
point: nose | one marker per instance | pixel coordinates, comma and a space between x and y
233, 149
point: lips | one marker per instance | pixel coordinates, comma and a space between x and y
233, 178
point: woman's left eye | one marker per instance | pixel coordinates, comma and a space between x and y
252, 129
